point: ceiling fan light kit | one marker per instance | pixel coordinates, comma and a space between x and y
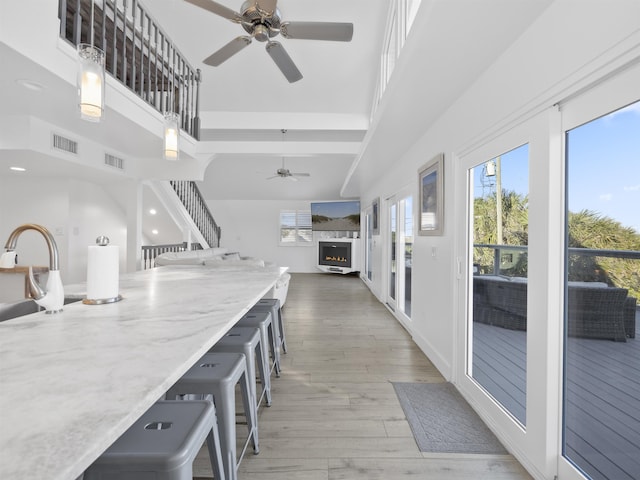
262, 20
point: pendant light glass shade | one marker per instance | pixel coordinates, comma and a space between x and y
90, 82
171, 136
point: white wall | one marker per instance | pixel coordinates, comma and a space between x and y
555, 58
74, 211
92, 213
252, 227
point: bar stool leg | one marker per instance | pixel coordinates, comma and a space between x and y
283, 340
273, 341
251, 413
264, 375
215, 457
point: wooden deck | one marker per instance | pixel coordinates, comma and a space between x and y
602, 412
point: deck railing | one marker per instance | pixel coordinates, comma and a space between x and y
138, 53
615, 267
500, 250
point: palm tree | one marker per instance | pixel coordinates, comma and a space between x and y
587, 229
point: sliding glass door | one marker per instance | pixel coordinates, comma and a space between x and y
400, 210
368, 244
498, 327
601, 383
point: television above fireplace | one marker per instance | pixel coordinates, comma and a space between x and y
338, 255
335, 216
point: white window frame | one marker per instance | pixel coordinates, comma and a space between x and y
300, 216
401, 16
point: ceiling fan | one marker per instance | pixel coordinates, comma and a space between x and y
283, 172
262, 20
286, 174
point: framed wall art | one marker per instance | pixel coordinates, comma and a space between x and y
431, 191
375, 216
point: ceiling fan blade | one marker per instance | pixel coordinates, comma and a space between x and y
267, 7
226, 52
337, 32
293, 179
282, 59
215, 7
301, 174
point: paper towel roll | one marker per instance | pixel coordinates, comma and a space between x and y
103, 270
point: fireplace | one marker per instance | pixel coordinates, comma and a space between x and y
338, 255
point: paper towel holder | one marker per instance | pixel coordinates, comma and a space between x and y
101, 301
102, 241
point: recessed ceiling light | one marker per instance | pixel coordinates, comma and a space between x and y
154, 231
30, 84
18, 169
152, 211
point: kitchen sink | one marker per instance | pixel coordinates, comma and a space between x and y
27, 306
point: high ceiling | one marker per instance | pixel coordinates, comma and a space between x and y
246, 102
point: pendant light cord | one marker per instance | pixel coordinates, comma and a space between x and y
92, 20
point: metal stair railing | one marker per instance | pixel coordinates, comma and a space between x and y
139, 54
192, 199
150, 252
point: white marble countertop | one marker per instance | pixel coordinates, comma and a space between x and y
71, 383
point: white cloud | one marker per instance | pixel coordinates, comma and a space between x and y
632, 188
606, 197
634, 107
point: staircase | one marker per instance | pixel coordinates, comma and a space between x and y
141, 56
185, 205
196, 207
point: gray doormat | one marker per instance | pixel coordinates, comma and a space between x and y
443, 422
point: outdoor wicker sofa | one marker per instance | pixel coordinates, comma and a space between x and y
595, 310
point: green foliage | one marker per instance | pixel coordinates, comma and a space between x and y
515, 225
586, 230
319, 218
354, 218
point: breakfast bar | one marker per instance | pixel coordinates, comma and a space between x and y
71, 383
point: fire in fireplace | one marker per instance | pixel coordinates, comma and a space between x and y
334, 254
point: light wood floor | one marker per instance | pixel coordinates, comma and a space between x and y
335, 414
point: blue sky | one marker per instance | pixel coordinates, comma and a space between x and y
603, 167
335, 209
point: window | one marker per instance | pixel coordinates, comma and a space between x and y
295, 227
402, 13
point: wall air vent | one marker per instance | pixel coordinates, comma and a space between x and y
113, 161
65, 144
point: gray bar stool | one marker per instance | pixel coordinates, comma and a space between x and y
273, 305
248, 340
162, 444
263, 321
217, 374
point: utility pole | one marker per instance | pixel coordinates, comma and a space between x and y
498, 201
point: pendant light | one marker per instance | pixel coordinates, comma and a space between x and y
90, 80
171, 136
